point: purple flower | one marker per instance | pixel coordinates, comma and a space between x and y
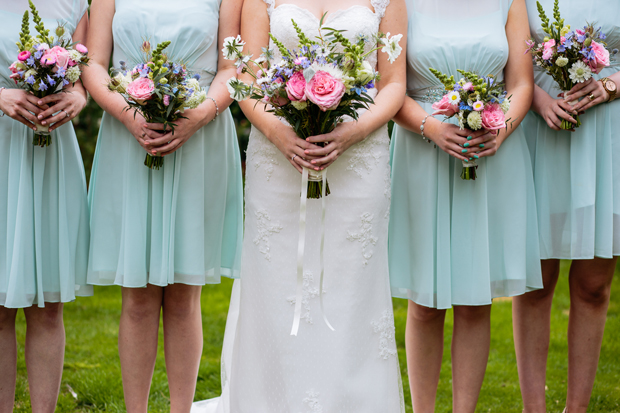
568, 43
65, 82
30, 61
370, 85
61, 72
196, 76
51, 81
38, 54
42, 86
30, 80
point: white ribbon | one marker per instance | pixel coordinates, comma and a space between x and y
301, 248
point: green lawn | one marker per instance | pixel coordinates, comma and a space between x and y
92, 367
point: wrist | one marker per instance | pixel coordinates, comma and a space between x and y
431, 128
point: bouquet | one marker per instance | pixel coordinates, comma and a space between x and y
314, 87
159, 89
570, 57
477, 102
45, 65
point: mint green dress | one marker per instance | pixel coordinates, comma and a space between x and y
183, 222
43, 207
451, 241
577, 174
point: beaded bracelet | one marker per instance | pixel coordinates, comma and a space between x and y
217, 109
422, 129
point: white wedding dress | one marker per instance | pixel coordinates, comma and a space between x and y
355, 368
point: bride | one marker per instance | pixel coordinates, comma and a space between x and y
354, 368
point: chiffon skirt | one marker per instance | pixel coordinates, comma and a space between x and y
43, 218
577, 178
457, 242
179, 224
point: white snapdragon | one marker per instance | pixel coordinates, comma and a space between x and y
474, 120
391, 46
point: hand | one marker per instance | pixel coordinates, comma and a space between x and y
21, 106
293, 147
463, 144
65, 105
336, 143
164, 144
590, 88
554, 110
134, 125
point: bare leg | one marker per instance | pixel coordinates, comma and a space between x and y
182, 343
470, 352
531, 313
45, 354
424, 343
8, 359
137, 343
590, 288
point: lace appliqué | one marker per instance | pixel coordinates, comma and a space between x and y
270, 6
379, 5
265, 229
309, 292
264, 155
313, 401
387, 192
365, 237
386, 330
366, 155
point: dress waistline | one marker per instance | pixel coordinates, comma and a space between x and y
430, 94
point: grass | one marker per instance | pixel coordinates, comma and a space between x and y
92, 369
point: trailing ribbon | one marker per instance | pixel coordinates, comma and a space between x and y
301, 248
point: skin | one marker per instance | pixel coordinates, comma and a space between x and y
179, 304
45, 334
425, 326
255, 29
589, 282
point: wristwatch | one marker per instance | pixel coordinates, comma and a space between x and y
610, 87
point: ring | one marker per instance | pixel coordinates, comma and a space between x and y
143, 135
66, 113
293, 157
591, 96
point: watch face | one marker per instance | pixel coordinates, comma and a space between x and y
610, 85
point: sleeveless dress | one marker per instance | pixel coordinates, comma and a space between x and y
183, 222
452, 241
43, 207
355, 368
577, 174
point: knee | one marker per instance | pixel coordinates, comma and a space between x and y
7, 318
423, 314
472, 314
594, 294
48, 317
140, 307
182, 303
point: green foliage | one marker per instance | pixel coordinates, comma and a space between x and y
447, 81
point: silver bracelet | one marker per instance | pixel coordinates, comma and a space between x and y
217, 109
1, 90
422, 129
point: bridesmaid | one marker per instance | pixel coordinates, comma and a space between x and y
163, 234
457, 243
577, 179
43, 212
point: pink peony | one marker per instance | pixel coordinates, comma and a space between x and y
48, 59
468, 86
295, 87
445, 107
493, 117
23, 56
548, 51
325, 91
81, 48
601, 57
62, 56
141, 89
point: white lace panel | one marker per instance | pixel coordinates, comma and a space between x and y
270, 6
380, 6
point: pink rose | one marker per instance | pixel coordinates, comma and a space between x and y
48, 59
468, 86
295, 87
166, 100
141, 89
81, 48
493, 117
548, 49
62, 56
444, 107
325, 91
23, 56
601, 57
13, 67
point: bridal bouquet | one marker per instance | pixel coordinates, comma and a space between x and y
570, 57
159, 89
477, 102
45, 65
314, 87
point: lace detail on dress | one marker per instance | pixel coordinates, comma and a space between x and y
385, 327
366, 155
309, 292
270, 6
379, 5
265, 230
365, 237
313, 401
264, 155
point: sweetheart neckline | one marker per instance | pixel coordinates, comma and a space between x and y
330, 15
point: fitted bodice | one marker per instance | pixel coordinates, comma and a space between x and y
356, 21
190, 25
66, 12
453, 34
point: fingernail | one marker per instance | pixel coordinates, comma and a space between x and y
481, 145
476, 156
464, 150
40, 117
470, 159
469, 138
40, 102
466, 144
43, 123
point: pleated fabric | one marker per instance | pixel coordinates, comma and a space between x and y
43, 208
577, 174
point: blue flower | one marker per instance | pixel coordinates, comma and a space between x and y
321, 60
370, 85
561, 48
65, 82
42, 86
358, 90
304, 49
51, 81
30, 61
288, 72
175, 90
196, 76
38, 54
602, 35
144, 72
568, 43
581, 38
61, 72
30, 80
464, 106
